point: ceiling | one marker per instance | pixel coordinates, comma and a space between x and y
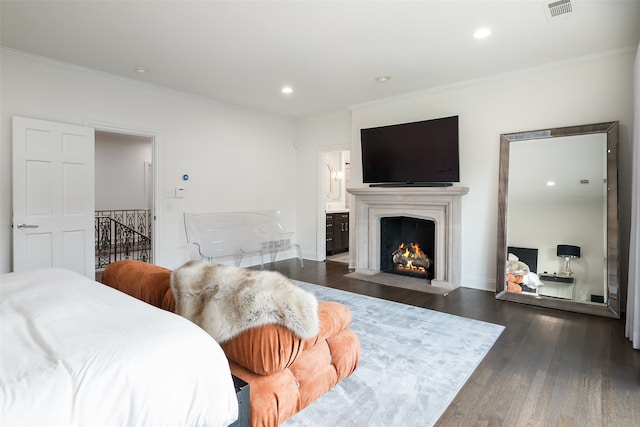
329, 52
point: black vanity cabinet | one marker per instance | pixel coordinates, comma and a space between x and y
329, 234
337, 233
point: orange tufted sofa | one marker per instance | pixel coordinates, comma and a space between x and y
285, 373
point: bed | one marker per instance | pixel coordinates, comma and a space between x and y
76, 353
521, 280
527, 255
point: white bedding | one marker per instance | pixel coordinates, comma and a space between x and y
74, 352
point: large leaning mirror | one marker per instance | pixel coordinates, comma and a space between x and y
558, 219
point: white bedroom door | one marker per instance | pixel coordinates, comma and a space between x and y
53, 196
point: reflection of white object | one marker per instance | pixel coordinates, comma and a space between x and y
531, 280
331, 172
516, 267
335, 175
566, 271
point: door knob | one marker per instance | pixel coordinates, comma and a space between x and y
21, 226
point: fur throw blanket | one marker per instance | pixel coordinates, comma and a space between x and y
517, 267
225, 300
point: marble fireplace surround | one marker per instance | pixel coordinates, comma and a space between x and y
442, 205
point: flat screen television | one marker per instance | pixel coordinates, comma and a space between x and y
417, 153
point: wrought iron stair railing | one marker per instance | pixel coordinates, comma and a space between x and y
116, 240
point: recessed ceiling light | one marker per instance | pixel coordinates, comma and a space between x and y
550, 183
287, 90
382, 79
141, 70
482, 33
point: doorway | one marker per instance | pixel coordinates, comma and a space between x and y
335, 175
124, 183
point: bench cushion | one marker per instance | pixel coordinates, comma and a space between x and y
146, 282
271, 348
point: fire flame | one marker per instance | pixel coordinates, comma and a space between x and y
411, 252
415, 251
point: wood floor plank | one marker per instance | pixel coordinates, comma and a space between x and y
548, 368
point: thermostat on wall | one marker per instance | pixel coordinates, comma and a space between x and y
179, 193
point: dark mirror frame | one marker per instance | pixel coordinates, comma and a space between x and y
612, 306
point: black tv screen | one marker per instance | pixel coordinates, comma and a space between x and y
411, 153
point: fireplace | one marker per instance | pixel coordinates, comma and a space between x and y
440, 206
407, 246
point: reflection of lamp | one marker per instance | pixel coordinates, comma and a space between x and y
567, 252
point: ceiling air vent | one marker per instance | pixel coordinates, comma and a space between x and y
559, 8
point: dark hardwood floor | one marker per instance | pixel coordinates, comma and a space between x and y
548, 368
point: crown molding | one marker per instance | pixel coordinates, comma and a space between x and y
65, 65
496, 77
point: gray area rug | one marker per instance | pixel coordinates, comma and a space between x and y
413, 363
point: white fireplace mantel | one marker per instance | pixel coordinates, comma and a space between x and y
442, 205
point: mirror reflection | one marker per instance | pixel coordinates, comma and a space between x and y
558, 218
334, 174
557, 208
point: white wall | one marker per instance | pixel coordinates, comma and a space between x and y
316, 135
120, 171
238, 159
597, 90
241, 160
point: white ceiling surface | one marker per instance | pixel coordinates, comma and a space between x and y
328, 51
